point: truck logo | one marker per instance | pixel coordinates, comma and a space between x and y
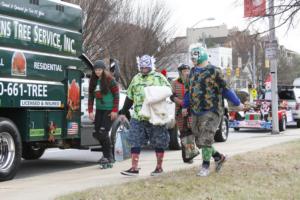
18, 64
73, 98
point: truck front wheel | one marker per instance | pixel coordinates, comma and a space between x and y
10, 149
31, 152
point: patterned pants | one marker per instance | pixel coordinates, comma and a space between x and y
204, 128
142, 131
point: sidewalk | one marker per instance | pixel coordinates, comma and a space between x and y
49, 186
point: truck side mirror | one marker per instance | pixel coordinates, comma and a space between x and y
87, 61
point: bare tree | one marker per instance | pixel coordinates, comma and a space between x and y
286, 12
123, 32
100, 28
242, 44
148, 35
286, 64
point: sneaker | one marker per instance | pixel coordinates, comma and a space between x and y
130, 172
220, 162
157, 172
203, 172
189, 161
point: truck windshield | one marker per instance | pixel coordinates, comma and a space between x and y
286, 95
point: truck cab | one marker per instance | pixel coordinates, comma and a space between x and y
296, 112
291, 94
40, 80
286, 93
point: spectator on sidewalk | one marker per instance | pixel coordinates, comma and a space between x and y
140, 127
114, 68
206, 89
105, 90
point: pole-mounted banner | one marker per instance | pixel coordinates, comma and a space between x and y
254, 8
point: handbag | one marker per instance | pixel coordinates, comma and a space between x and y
122, 146
189, 148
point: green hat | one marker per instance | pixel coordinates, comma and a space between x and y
199, 54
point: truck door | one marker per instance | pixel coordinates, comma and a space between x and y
73, 107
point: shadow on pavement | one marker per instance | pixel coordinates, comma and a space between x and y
45, 166
247, 130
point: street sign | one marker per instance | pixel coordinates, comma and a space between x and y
267, 63
228, 71
239, 62
271, 49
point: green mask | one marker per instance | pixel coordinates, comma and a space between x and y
199, 54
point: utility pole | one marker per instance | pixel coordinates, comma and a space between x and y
254, 67
203, 39
273, 61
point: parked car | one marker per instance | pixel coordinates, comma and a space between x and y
287, 94
296, 112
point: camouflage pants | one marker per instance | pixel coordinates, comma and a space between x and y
142, 131
204, 128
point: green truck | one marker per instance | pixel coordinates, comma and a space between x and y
40, 80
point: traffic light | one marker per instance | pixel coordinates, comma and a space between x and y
237, 72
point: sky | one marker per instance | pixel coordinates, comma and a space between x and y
185, 13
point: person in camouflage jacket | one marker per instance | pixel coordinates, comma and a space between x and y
206, 89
